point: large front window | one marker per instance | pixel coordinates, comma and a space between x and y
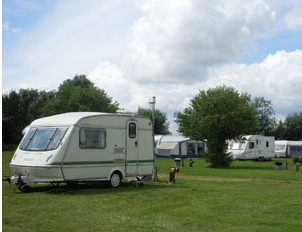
43, 139
235, 145
279, 147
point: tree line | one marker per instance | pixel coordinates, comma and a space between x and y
217, 114
221, 114
20, 108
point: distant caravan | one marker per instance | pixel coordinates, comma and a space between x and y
289, 149
84, 146
252, 147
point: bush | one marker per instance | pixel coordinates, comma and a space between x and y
296, 159
218, 160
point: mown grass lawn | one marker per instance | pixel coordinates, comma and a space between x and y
249, 196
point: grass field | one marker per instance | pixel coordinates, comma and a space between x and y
248, 196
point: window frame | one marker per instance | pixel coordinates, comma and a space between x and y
27, 141
251, 145
101, 130
131, 130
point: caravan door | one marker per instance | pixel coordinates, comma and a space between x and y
132, 147
252, 147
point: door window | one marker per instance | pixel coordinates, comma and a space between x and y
132, 130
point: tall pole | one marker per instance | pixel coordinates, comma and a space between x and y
152, 106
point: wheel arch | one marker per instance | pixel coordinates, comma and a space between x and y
114, 170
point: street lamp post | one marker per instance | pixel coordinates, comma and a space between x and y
152, 106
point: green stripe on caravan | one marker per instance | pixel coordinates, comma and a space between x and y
98, 162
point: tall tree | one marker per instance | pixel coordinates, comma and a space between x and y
80, 94
265, 116
279, 131
161, 122
293, 127
215, 116
19, 109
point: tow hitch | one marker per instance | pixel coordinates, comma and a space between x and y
6, 178
22, 187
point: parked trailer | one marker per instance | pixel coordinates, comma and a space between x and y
168, 146
285, 148
84, 146
252, 147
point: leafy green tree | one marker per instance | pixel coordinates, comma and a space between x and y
79, 94
161, 122
265, 116
215, 116
19, 109
293, 127
279, 131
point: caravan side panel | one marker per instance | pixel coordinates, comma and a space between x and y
86, 163
145, 150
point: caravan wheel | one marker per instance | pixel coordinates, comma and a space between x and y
24, 188
115, 179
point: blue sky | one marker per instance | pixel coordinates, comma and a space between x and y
171, 49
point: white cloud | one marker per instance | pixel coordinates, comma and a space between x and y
169, 49
71, 39
277, 78
170, 41
5, 26
16, 30
293, 19
177, 40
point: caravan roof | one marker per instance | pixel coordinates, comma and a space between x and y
171, 138
288, 142
66, 119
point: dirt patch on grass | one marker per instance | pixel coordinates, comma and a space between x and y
230, 179
234, 179
214, 178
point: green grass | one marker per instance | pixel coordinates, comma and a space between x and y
248, 196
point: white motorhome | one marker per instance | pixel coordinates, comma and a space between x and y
84, 146
252, 147
285, 148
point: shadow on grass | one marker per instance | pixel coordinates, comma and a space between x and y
249, 164
93, 188
272, 167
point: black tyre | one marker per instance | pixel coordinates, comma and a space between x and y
115, 180
24, 188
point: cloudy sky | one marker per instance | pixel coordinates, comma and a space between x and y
170, 49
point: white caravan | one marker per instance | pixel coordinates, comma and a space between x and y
252, 147
169, 146
285, 148
84, 146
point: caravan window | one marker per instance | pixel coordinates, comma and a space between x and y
43, 139
91, 138
251, 145
199, 149
132, 130
56, 139
27, 138
236, 145
279, 147
191, 149
295, 151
